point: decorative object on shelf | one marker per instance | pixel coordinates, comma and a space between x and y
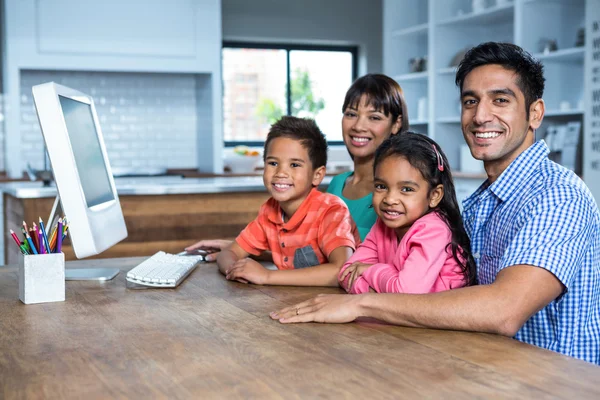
563, 142
417, 64
422, 109
580, 41
477, 6
458, 57
564, 106
546, 46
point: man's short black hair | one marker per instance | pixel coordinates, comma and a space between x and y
304, 130
530, 71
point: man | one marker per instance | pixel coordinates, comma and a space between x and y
534, 227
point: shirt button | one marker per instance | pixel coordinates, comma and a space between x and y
284, 230
476, 256
282, 244
285, 259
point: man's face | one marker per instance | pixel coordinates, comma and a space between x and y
494, 119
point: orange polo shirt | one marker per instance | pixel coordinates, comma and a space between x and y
321, 224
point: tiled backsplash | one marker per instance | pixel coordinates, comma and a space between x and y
148, 120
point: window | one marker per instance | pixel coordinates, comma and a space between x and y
262, 82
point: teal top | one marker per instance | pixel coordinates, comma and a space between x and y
362, 210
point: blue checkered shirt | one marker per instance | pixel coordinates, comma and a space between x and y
540, 213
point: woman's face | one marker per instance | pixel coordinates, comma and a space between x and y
364, 128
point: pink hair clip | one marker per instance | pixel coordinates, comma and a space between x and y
440, 161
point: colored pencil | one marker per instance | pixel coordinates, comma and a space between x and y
31, 245
33, 237
44, 234
59, 236
53, 239
41, 241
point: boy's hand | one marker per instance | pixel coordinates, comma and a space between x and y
212, 247
354, 271
247, 270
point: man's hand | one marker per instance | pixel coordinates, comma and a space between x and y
246, 270
329, 308
353, 271
212, 247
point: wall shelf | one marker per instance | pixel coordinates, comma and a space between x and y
574, 54
413, 30
447, 71
492, 15
448, 120
414, 76
562, 113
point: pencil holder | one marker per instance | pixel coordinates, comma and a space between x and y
42, 278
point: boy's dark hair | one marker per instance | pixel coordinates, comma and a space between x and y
530, 72
304, 130
383, 93
420, 151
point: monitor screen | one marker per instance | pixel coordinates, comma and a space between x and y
86, 149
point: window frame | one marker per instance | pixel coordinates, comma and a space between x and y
288, 47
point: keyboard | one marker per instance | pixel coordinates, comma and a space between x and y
163, 270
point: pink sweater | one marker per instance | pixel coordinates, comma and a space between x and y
418, 264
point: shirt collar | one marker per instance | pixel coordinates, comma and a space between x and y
517, 174
275, 213
513, 177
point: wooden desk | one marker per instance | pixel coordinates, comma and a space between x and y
210, 338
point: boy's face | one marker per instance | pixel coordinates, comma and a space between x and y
289, 175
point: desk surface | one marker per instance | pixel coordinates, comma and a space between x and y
211, 338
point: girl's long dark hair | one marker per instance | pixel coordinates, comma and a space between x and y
420, 151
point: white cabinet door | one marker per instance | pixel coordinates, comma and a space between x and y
134, 35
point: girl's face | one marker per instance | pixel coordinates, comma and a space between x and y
401, 194
365, 128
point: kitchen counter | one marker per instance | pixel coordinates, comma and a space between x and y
156, 185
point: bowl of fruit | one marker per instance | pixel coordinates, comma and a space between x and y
242, 160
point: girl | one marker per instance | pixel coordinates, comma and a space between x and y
418, 244
373, 110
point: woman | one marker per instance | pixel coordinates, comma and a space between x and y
374, 108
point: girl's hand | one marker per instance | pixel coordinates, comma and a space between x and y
354, 271
212, 247
247, 270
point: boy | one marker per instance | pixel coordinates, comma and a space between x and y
301, 226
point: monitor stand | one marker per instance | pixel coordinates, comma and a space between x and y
83, 274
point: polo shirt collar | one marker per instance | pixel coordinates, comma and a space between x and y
275, 214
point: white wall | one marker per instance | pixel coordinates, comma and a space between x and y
334, 22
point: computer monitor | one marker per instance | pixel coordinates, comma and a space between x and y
82, 173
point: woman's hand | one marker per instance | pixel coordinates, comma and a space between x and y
354, 271
213, 247
247, 270
329, 308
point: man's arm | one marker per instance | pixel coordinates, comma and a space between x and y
501, 307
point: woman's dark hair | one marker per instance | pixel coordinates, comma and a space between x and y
530, 71
382, 93
420, 151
